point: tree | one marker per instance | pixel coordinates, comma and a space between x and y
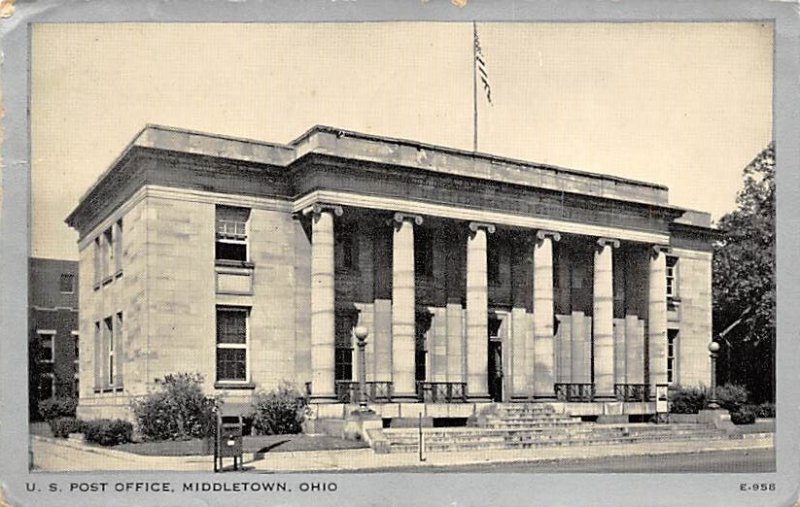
744, 281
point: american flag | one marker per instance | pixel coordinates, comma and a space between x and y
480, 66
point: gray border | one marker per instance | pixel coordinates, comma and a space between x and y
400, 489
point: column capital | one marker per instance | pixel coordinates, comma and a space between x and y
400, 217
655, 250
474, 226
542, 234
320, 207
604, 242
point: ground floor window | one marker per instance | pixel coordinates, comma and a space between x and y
423, 325
345, 322
108, 352
47, 386
46, 346
672, 338
232, 344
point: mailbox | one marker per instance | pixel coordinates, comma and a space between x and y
230, 439
230, 430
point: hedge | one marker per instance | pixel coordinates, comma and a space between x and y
57, 407
108, 431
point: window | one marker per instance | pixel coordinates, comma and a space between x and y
117, 359
423, 252
672, 336
47, 386
108, 358
76, 385
493, 263
46, 346
108, 353
346, 247
231, 233
423, 324
231, 344
118, 247
77, 348
98, 262
344, 346
672, 271
108, 253
66, 284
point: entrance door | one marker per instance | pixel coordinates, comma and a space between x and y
495, 359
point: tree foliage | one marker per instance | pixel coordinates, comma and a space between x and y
744, 280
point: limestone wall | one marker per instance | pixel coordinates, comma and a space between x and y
694, 291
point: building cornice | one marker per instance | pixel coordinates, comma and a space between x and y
468, 214
357, 147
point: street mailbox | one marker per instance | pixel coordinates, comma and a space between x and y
231, 437
230, 430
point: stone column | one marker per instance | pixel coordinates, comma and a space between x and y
323, 305
603, 318
542, 366
657, 317
477, 312
403, 306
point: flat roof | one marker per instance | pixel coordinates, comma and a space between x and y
404, 153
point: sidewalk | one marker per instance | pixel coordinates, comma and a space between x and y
65, 455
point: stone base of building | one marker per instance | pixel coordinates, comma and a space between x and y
433, 411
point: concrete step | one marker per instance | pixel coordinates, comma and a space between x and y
522, 417
523, 444
529, 424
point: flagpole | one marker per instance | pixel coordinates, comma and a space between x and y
474, 87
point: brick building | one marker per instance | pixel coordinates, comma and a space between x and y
479, 278
53, 329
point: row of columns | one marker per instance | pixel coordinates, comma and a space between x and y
539, 359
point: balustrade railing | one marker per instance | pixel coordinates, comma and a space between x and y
632, 392
575, 392
442, 392
347, 391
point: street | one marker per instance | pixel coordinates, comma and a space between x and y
738, 461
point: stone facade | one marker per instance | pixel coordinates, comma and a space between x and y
478, 278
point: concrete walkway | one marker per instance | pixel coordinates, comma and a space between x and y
65, 455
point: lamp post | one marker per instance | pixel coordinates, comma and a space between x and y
361, 333
713, 348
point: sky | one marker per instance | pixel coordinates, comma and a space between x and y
686, 105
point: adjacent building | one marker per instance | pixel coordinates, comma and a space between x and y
53, 329
478, 278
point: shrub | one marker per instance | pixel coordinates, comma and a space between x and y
108, 431
744, 415
63, 426
179, 411
279, 412
687, 400
765, 410
57, 407
732, 396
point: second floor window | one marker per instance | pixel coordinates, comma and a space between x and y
423, 252
231, 233
66, 284
672, 281
346, 248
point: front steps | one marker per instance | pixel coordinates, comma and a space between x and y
527, 426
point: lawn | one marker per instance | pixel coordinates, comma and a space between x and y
251, 444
